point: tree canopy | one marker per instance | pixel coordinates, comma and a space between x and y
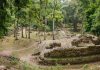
49, 14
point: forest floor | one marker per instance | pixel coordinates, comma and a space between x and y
24, 48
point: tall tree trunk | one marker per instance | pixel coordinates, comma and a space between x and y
40, 20
82, 27
16, 30
26, 32
45, 29
29, 27
45, 20
29, 31
53, 32
22, 32
75, 26
53, 25
39, 36
16, 24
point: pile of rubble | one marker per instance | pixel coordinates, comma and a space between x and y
85, 40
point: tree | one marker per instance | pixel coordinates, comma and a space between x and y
91, 9
4, 17
71, 13
55, 14
19, 4
45, 18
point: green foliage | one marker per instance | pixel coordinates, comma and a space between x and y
91, 10
71, 11
96, 25
28, 12
4, 17
21, 3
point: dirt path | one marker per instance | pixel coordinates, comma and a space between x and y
24, 54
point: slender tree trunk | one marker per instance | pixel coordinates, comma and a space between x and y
45, 20
29, 31
40, 20
82, 27
53, 25
75, 24
16, 30
29, 28
53, 32
44, 35
26, 32
75, 27
22, 32
82, 30
16, 24
39, 36
45, 29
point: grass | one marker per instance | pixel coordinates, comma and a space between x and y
8, 61
10, 43
26, 66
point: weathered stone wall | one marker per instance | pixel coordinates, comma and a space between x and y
85, 40
72, 56
73, 52
74, 60
83, 49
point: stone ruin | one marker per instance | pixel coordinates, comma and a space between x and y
85, 40
83, 49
